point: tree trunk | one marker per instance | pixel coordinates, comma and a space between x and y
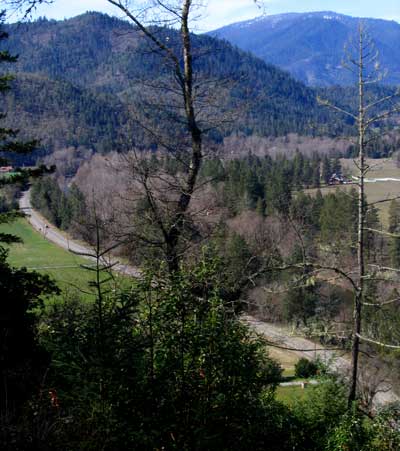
196, 141
183, 72
358, 300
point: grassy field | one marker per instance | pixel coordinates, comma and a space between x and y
287, 359
290, 395
382, 168
39, 254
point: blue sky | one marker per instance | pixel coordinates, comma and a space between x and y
223, 12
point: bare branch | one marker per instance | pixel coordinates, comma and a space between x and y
328, 104
375, 342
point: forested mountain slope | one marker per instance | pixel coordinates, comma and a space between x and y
60, 114
78, 78
310, 45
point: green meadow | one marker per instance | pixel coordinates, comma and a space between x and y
375, 192
289, 395
37, 253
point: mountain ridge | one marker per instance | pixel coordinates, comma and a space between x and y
310, 45
95, 64
94, 70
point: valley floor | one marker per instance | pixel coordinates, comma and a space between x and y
303, 347
62, 240
66, 265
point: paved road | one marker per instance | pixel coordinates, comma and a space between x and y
52, 234
299, 383
272, 332
298, 345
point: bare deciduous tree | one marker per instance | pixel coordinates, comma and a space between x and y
183, 71
363, 60
182, 98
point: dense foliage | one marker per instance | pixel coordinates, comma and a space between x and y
80, 74
305, 368
165, 361
22, 361
177, 370
62, 209
63, 115
267, 183
167, 364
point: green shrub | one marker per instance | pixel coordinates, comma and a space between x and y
305, 368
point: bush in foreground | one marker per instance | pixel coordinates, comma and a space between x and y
305, 368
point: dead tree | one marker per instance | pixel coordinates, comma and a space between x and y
176, 56
363, 60
183, 72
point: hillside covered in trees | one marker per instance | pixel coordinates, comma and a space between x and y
310, 45
175, 290
82, 81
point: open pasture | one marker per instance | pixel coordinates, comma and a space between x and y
376, 188
37, 253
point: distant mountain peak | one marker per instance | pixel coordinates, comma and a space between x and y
310, 45
276, 18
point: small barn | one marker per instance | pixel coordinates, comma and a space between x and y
5, 169
336, 179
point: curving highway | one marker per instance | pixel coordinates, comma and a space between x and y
303, 347
270, 331
54, 235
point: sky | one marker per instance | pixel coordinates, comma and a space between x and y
224, 12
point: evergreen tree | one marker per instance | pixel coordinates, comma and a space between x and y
298, 170
326, 169
22, 360
180, 371
394, 228
336, 166
279, 191
371, 239
260, 207
8, 142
